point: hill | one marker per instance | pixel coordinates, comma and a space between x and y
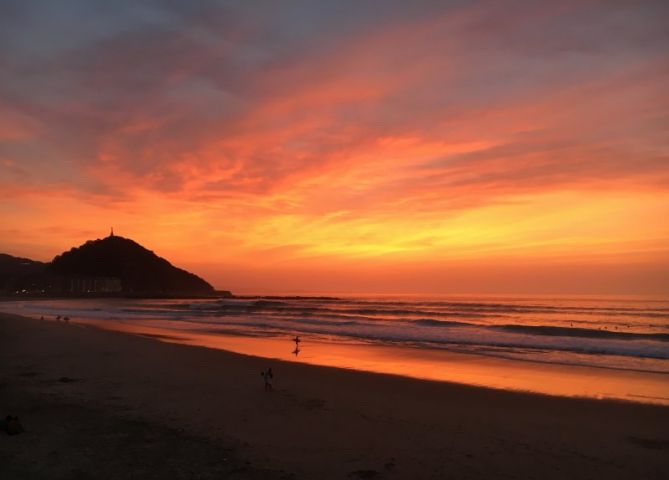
140, 271
19, 267
22, 275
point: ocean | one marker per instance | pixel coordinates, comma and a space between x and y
604, 332
614, 333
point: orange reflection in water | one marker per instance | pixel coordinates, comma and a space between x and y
428, 364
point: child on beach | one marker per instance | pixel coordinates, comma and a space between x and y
268, 376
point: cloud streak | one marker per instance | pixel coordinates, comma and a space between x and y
349, 130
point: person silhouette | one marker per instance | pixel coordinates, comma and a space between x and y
297, 345
267, 377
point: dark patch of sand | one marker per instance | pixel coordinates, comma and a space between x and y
73, 441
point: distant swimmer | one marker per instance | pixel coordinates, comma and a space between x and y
58, 318
67, 319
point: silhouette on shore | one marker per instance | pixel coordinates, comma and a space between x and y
297, 345
267, 377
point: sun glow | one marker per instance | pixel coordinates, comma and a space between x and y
422, 139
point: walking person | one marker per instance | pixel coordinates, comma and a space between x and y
267, 377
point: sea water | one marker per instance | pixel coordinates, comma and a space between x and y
618, 333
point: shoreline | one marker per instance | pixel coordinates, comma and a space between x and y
320, 422
443, 365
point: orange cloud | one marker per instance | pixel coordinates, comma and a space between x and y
404, 142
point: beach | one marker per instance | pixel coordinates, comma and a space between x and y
613, 348
105, 404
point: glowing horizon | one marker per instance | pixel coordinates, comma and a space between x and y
436, 148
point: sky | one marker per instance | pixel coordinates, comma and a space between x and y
514, 147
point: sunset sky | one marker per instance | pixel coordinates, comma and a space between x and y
345, 146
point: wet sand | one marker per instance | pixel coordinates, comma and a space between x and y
102, 404
425, 363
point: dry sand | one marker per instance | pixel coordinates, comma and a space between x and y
101, 404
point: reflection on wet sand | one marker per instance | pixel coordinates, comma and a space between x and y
429, 364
